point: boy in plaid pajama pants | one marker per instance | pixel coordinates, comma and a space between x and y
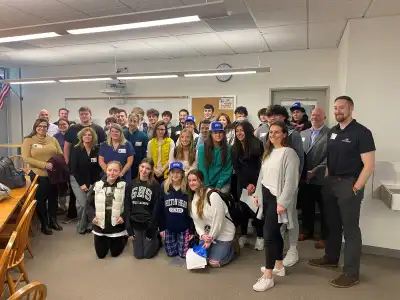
175, 224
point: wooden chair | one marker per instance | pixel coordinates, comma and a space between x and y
5, 259
9, 228
37, 290
17, 253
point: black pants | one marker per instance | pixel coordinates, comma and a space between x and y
103, 244
47, 199
273, 240
342, 209
144, 247
309, 194
72, 213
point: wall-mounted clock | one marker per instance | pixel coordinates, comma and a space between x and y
224, 78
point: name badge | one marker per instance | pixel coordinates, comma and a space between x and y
93, 159
263, 134
178, 133
303, 139
138, 144
121, 150
37, 146
333, 136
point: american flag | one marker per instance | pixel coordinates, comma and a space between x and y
4, 91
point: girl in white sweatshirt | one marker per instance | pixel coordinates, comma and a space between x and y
211, 222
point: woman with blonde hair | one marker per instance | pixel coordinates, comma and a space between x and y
175, 224
117, 148
212, 222
185, 151
85, 171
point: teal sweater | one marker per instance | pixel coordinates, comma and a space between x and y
217, 175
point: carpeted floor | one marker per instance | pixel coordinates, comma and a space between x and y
67, 264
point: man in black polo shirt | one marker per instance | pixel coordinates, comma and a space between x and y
350, 162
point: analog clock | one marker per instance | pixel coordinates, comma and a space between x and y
224, 78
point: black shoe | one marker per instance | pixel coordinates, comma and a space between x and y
46, 230
54, 225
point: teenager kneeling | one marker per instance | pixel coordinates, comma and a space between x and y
210, 218
176, 226
105, 206
141, 211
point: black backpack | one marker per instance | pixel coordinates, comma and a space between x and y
235, 207
9, 175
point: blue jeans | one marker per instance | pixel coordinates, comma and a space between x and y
222, 252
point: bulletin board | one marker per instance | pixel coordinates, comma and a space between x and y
222, 104
101, 105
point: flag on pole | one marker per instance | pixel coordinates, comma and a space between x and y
4, 92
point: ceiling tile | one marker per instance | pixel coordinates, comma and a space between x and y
244, 41
172, 46
232, 22
67, 17
109, 12
191, 2
325, 35
329, 10
14, 17
274, 4
280, 17
235, 6
188, 28
139, 49
292, 37
41, 8
207, 44
145, 5
90, 5
384, 7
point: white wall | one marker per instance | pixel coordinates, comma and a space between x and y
289, 69
342, 61
372, 80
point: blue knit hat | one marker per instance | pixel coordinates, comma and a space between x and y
176, 165
216, 126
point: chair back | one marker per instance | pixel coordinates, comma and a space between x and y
32, 291
27, 202
33, 183
17, 255
5, 258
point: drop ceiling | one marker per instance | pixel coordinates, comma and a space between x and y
252, 26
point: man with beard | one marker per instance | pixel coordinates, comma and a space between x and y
176, 131
350, 162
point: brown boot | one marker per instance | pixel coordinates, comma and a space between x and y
320, 244
322, 262
345, 281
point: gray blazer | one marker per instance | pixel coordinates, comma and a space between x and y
316, 153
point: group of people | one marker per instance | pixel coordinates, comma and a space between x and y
158, 184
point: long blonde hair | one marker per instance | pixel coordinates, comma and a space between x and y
202, 193
119, 128
168, 182
82, 132
178, 154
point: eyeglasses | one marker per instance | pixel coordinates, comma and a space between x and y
43, 127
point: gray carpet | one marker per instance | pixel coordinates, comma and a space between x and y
67, 264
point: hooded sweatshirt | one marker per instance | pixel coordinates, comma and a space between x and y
218, 174
174, 213
141, 207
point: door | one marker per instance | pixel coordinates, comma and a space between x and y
225, 105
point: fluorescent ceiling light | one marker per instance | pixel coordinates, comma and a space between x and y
28, 37
148, 77
221, 73
33, 82
135, 25
85, 79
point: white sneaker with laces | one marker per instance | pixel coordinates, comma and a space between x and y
263, 284
259, 244
242, 241
291, 258
275, 271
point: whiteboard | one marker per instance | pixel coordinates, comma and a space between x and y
100, 107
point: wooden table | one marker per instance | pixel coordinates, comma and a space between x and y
9, 205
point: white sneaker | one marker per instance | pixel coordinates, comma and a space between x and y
275, 271
291, 258
263, 284
259, 244
242, 241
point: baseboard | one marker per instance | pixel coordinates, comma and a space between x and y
393, 253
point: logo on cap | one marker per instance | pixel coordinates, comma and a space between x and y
217, 126
176, 165
190, 119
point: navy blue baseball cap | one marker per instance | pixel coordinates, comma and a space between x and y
176, 165
216, 126
297, 106
190, 119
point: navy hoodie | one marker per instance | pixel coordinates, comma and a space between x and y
173, 211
